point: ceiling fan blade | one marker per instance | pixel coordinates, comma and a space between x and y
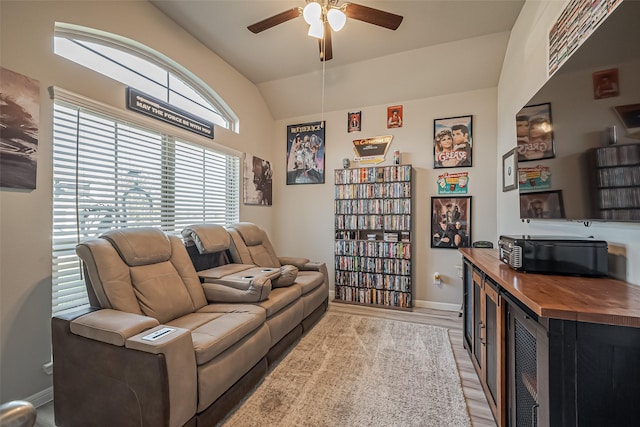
281, 17
373, 16
326, 54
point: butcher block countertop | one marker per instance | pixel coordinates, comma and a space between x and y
585, 299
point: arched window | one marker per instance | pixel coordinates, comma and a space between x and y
145, 69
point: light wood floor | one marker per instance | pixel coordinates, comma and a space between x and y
476, 402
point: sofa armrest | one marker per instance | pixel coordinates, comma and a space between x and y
177, 347
292, 260
250, 289
313, 265
111, 326
154, 385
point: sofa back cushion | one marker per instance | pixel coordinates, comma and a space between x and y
145, 246
208, 238
158, 296
250, 245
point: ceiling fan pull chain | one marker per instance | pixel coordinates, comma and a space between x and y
323, 71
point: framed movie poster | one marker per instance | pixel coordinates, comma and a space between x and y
305, 153
394, 116
451, 222
354, 121
542, 205
452, 142
534, 132
257, 181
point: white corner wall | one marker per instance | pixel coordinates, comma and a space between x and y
523, 73
26, 37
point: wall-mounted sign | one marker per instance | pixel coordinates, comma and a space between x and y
534, 179
453, 183
157, 109
371, 150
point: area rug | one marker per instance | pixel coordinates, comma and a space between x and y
352, 370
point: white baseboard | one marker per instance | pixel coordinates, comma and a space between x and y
421, 304
42, 397
437, 305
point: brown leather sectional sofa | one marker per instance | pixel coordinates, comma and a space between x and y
178, 330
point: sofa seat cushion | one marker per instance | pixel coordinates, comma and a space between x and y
309, 280
214, 332
279, 298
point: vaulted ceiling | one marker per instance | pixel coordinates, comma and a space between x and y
286, 54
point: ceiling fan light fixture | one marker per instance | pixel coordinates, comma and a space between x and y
312, 12
336, 19
316, 29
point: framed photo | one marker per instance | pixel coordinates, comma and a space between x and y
394, 116
451, 222
452, 142
542, 205
510, 170
305, 153
605, 84
534, 132
257, 181
354, 121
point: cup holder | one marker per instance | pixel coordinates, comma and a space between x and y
267, 269
248, 277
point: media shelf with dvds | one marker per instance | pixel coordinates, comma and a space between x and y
373, 222
616, 179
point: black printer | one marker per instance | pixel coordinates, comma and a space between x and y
555, 255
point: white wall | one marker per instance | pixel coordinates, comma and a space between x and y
523, 73
25, 216
305, 227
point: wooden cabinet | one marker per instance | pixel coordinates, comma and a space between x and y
373, 236
484, 336
552, 350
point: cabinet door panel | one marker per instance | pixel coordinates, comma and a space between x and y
478, 325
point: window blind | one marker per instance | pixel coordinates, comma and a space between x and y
112, 173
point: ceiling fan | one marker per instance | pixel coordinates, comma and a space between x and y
323, 16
